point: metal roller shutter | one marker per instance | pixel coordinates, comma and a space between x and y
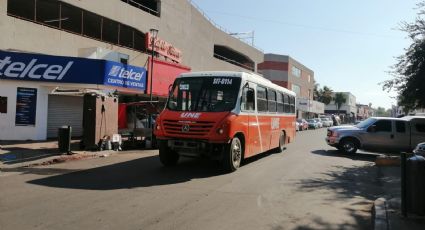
65, 110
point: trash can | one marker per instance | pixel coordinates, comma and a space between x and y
415, 185
64, 139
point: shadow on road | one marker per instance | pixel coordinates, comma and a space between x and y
142, 172
363, 183
361, 156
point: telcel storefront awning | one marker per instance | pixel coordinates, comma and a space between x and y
47, 68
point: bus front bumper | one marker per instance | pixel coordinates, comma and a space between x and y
196, 148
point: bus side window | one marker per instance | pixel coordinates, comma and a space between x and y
248, 99
286, 104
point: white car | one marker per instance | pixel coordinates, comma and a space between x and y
319, 122
327, 122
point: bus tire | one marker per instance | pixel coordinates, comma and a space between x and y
167, 156
232, 155
282, 142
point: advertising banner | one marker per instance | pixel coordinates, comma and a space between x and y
26, 106
47, 68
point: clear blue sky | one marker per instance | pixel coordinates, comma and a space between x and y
350, 44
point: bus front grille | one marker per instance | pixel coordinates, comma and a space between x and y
191, 128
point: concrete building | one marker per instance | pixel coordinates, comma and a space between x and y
363, 112
113, 30
348, 110
291, 74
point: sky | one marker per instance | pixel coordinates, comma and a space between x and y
350, 45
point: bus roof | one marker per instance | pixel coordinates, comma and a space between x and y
246, 76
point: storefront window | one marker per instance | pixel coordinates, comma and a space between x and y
71, 18
21, 8
48, 12
3, 104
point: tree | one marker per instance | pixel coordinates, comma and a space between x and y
326, 95
339, 100
316, 92
409, 71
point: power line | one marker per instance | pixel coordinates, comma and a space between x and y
304, 26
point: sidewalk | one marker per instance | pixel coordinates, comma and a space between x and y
387, 210
16, 154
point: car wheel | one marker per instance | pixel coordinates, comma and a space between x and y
167, 156
348, 145
232, 155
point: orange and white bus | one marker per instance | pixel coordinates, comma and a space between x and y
227, 116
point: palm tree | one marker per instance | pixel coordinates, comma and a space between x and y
326, 95
339, 100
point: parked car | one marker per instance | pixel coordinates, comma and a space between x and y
381, 134
303, 124
327, 122
297, 126
312, 124
319, 122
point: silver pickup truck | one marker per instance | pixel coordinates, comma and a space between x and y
380, 134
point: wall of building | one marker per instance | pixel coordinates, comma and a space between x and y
306, 84
9, 131
348, 107
180, 24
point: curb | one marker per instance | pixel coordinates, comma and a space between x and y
379, 215
387, 161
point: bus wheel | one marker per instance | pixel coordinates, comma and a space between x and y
167, 156
281, 146
232, 155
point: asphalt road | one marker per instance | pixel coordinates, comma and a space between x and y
308, 186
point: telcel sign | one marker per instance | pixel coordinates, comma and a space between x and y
31, 67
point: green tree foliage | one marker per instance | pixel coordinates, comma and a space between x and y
339, 100
409, 71
325, 95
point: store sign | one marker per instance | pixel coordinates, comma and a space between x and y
117, 74
164, 48
26, 106
46, 68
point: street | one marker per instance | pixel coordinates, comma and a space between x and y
308, 186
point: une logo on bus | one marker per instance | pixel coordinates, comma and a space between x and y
190, 115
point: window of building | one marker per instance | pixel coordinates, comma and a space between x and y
71, 18
271, 98
261, 99
21, 8
150, 6
92, 24
3, 104
309, 78
383, 126
295, 71
400, 126
287, 107
48, 12
248, 99
110, 31
279, 100
126, 36
231, 56
139, 41
296, 89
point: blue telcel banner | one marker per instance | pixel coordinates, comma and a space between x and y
47, 68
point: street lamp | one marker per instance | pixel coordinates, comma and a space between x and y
153, 35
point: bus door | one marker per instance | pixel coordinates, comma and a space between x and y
252, 145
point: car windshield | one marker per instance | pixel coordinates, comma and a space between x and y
206, 94
366, 123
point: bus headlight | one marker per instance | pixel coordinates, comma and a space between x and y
158, 127
220, 131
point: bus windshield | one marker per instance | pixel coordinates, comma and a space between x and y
206, 94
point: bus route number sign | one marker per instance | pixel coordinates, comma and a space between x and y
222, 81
